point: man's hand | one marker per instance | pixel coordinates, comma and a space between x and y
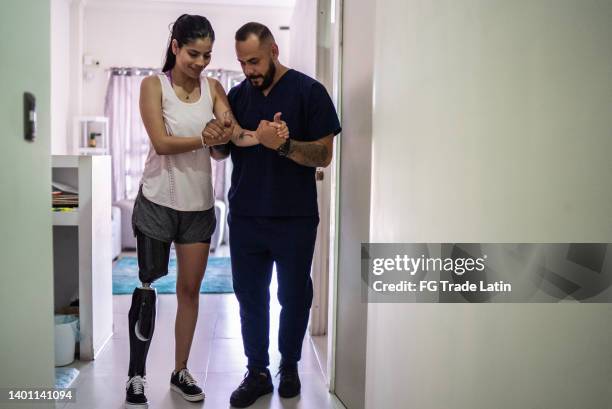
272, 134
217, 132
267, 133
282, 129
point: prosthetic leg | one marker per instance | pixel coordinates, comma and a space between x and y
153, 257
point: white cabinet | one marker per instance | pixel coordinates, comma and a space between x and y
82, 248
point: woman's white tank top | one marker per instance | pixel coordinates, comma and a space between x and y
182, 181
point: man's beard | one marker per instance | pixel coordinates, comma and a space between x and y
268, 77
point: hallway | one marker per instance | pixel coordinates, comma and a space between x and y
217, 360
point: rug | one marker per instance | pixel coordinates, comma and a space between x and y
217, 278
65, 376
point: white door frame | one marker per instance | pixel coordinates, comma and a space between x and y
336, 12
323, 315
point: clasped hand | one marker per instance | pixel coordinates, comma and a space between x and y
272, 134
218, 132
269, 134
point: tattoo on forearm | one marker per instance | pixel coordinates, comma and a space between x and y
308, 153
243, 133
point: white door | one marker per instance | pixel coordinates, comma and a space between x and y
26, 265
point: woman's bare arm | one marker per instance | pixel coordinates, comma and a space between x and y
151, 113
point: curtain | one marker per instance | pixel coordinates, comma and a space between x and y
129, 142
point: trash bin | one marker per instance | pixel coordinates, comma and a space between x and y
66, 335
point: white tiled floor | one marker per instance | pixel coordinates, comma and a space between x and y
216, 360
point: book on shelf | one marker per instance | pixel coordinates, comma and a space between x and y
63, 195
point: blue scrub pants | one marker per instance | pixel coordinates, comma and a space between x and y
255, 244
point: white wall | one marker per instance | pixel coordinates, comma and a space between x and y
60, 75
132, 34
354, 200
66, 72
491, 124
303, 37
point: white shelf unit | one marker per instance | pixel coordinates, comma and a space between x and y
82, 248
65, 161
83, 125
93, 151
66, 218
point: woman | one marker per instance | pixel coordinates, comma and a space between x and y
176, 201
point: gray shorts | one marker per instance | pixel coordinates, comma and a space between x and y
169, 225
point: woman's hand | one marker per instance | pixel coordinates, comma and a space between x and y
217, 132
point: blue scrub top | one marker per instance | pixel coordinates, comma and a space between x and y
263, 183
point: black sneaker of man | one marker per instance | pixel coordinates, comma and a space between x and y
289, 385
183, 383
134, 393
256, 383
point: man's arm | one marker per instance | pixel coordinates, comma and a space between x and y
322, 123
313, 154
223, 112
316, 154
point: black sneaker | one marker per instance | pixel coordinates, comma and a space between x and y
134, 393
183, 383
256, 383
289, 385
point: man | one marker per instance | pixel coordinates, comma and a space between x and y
273, 205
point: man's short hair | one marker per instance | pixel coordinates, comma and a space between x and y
262, 32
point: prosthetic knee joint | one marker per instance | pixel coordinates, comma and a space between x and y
153, 257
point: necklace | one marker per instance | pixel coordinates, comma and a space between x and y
169, 75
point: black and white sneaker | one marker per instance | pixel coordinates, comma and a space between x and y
134, 393
183, 383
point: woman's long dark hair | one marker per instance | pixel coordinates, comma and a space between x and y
187, 28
